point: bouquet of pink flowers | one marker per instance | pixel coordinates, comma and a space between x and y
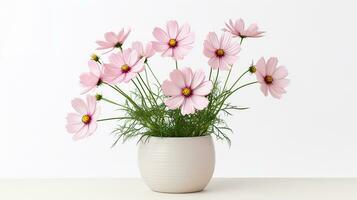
188, 103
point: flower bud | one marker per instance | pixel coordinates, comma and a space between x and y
94, 57
98, 97
252, 69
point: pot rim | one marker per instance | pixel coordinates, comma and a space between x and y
180, 138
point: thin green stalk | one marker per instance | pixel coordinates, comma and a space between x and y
157, 80
123, 94
147, 78
113, 118
238, 80
176, 64
110, 101
210, 73
215, 81
149, 90
142, 96
229, 73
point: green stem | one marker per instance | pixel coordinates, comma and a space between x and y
176, 64
210, 73
113, 118
157, 80
147, 79
149, 90
229, 73
215, 81
142, 96
116, 88
110, 101
241, 40
238, 80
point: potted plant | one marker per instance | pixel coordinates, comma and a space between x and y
173, 120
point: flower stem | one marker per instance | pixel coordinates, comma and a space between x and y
215, 81
113, 118
210, 74
149, 90
157, 80
110, 101
176, 64
229, 73
238, 80
142, 96
116, 88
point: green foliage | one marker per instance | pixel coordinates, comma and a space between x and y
146, 115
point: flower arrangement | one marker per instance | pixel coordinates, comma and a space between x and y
188, 103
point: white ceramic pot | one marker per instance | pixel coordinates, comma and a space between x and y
177, 164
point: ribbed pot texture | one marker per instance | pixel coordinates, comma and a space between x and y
177, 164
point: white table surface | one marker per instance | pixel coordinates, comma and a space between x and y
218, 189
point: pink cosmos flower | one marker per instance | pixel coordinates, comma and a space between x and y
143, 53
84, 122
113, 40
175, 42
238, 30
271, 79
123, 66
187, 90
91, 80
222, 53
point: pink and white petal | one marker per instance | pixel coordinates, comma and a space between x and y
94, 67
264, 89
188, 75
225, 40
73, 118
88, 80
178, 78
280, 73
203, 89
87, 89
276, 94
129, 76
133, 58
104, 45
230, 60
198, 78
149, 50
126, 55
239, 25
281, 82
92, 127
183, 32
213, 39
119, 78
79, 105
277, 88
271, 65
139, 66
92, 103
209, 46
214, 62
74, 128
138, 47
260, 66
208, 53
233, 49
170, 89
172, 29
187, 107
260, 78
82, 133
160, 35
188, 40
224, 65
174, 102
199, 102
116, 59
125, 35
180, 52
160, 47
168, 53
110, 37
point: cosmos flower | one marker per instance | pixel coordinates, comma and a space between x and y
113, 40
222, 53
143, 53
271, 78
187, 90
91, 80
238, 29
175, 42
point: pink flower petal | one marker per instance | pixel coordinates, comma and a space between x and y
170, 89
172, 29
213, 39
187, 107
74, 118
132, 58
183, 32
274, 93
110, 37
197, 79
82, 133
160, 35
280, 73
180, 52
178, 78
74, 128
188, 40
225, 40
159, 47
214, 62
271, 65
174, 102
92, 127
264, 89
138, 47
203, 89
129, 76
92, 102
260, 66
168, 53
79, 106
94, 68
199, 102
188, 75
139, 66
116, 59
126, 56
281, 82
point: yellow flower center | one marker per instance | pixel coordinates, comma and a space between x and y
125, 68
86, 119
219, 52
172, 43
186, 92
268, 79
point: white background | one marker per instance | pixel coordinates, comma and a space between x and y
45, 45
